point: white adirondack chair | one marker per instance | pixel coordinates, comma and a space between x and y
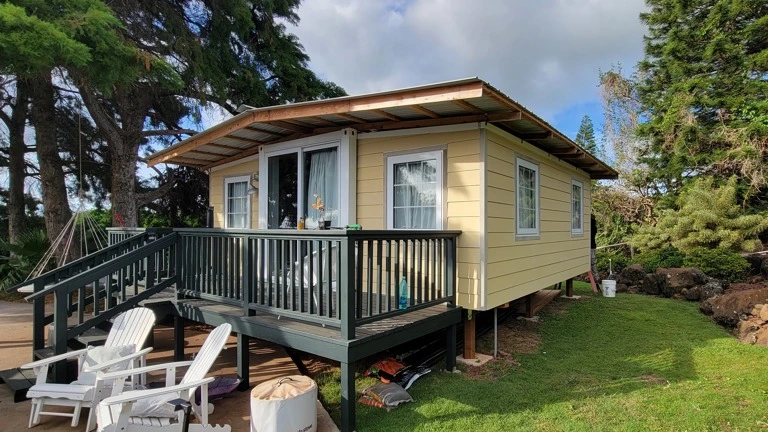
129, 328
149, 410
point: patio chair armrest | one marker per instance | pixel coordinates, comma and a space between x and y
133, 396
54, 359
145, 369
106, 365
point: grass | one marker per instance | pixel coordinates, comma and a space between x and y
630, 363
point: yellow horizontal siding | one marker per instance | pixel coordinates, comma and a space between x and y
216, 190
462, 174
516, 267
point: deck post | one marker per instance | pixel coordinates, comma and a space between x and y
348, 288
38, 317
60, 334
347, 397
469, 336
529, 306
569, 287
178, 338
243, 361
450, 348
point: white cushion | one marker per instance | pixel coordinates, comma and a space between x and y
102, 354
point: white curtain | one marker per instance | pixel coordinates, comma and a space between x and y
323, 183
415, 195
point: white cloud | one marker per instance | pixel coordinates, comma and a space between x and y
546, 54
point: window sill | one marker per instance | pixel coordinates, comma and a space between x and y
525, 237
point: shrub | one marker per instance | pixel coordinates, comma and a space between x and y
709, 217
720, 263
665, 258
618, 261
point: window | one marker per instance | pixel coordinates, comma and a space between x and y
299, 180
236, 205
577, 207
415, 191
527, 198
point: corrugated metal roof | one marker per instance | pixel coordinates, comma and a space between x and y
454, 102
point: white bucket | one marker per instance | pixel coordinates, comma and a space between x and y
609, 288
284, 404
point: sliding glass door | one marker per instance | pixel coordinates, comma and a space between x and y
303, 184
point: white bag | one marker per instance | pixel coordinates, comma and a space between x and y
285, 404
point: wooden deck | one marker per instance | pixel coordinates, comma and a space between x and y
321, 340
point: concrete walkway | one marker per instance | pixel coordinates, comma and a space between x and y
267, 361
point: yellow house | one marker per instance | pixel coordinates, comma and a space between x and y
458, 155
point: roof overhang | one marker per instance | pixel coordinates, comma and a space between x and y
455, 102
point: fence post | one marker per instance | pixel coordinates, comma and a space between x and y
450, 269
178, 255
60, 308
347, 287
38, 319
246, 258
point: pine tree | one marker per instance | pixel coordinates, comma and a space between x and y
704, 91
586, 135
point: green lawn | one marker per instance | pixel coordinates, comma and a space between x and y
633, 362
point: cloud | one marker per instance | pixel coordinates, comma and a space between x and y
545, 54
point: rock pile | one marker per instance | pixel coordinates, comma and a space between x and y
679, 283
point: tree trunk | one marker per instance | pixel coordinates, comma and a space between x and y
125, 211
16, 164
55, 203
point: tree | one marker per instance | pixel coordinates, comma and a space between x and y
709, 217
16, 123
194, 54
703, 90
586, 135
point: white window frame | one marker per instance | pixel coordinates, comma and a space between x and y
580, 229
527, 232
227, 182
440, 185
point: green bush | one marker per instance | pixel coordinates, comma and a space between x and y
720, 263
660, 258
618, 261
709, 216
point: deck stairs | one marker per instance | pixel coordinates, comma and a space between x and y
84, 296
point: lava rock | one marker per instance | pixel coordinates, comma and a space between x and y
631, 276
654, 283
727, 309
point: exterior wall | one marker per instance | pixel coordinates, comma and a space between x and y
462, 194
519, 266
216, 190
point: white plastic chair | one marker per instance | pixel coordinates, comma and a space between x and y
129, 328
118, 412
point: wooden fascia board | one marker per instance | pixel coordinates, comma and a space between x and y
416, 96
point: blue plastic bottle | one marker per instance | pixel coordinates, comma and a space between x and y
403, 294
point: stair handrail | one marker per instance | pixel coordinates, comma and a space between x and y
59, 272
105, 268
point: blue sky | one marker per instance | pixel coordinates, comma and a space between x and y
546, 54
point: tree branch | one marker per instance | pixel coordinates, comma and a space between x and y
153, 195
158, 132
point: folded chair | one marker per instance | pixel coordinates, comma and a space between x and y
153, 410
120, 351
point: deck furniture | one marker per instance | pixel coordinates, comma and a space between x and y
129, 330
153, 410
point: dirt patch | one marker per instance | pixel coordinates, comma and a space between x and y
653, 379
492, 370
